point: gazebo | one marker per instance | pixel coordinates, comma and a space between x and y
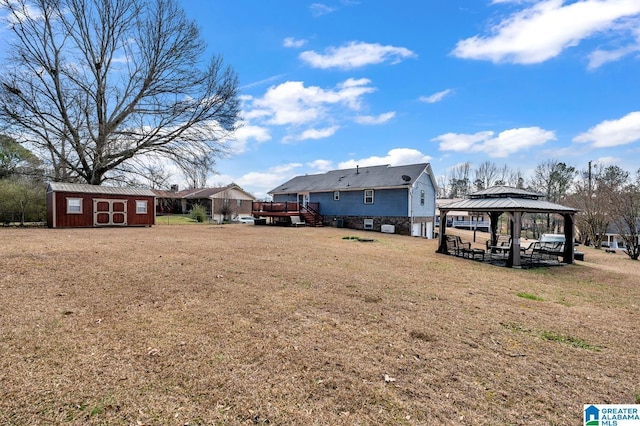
514, 202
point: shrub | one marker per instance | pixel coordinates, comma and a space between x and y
198, 213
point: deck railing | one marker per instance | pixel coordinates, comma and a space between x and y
466, 224
267, 207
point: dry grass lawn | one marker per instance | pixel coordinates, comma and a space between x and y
241, 324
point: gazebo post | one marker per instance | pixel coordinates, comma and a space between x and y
515, 239
442, 244
567, 256
494, 217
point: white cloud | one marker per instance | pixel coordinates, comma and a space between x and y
292, 42
245, 133
461, 142
600, 57
395, 157
260, 83
504, 144
321, 165
261, 182
436, 97
608, 161
611, 133
355, 55
372, 120
318, 133
292, 103
512, 1
319, 9
545, 29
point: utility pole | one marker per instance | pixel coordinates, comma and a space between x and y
589, 179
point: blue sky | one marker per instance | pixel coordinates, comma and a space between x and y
337, 83
333, 84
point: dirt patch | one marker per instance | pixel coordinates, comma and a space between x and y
242, 324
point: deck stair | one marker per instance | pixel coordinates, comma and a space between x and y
311, 216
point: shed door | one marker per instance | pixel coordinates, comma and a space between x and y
109, 212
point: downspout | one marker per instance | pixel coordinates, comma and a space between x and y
410, 211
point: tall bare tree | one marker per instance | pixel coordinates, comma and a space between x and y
459, 181
93, 84
443, 185
623, 197
553, 179
486, 175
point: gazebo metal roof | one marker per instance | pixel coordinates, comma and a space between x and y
505, 204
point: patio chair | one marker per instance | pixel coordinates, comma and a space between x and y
296, 221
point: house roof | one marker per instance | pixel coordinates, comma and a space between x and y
198, 193
373, 177
98, 189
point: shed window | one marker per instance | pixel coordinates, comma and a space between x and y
368, 196
336, 195
74, 205
141, 206
422, 197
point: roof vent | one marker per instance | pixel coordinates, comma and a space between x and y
406, 178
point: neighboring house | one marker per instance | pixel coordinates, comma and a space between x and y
71, 205
222, 203
397, 199
462, 219
612, 238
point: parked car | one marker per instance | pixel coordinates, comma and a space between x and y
246, 219
552, 238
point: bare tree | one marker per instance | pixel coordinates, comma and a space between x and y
196, 169
443, 185
626, 217
459, 180
591, 200
623, 198
486, 175
93, 84
553, 179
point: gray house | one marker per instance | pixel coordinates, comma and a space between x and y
399, 199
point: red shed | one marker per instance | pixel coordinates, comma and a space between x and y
73, 205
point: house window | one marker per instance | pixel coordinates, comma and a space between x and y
422, 197
141, 207
368, 196
239, 202
74, 205
336, 195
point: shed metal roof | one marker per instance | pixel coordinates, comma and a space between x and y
98, 189
354, 179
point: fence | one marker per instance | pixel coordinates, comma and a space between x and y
8, 218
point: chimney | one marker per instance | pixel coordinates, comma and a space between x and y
357, 169
174, 188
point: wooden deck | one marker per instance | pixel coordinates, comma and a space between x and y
281, 212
